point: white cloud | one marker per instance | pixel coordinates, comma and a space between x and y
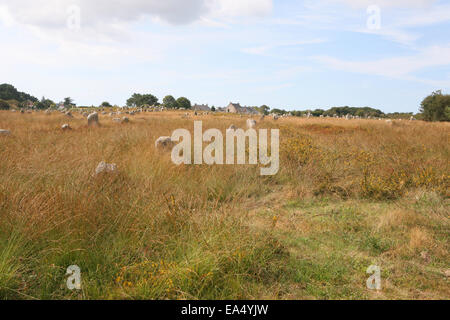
434, 15
399, 25
110, 20
5, 16
394, 34
241, 7
53, 13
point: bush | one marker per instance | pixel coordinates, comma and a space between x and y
4, 105
170, 102
183, 103
436, 107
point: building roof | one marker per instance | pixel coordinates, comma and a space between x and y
201, 107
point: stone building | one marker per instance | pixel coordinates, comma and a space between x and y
201, 107
237, 108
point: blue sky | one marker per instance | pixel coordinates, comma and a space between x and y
284, 53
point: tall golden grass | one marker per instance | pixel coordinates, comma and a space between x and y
349, 192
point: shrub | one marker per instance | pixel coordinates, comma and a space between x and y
436, 107
183, 103
4, 105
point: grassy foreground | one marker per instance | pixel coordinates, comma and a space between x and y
349, 194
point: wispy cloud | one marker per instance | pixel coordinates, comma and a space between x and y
402, 67
221, 49
404, 4
402, 27
264, 49
108, 19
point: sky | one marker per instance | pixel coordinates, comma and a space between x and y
293, 55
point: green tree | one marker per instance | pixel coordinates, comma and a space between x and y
183, 102
106, 104
317, 112
362, 112
8, 92
138, 100
279, 111
44, 104
263, 109
170, 102
436, 107
68, 102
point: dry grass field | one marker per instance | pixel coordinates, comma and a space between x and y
349, 194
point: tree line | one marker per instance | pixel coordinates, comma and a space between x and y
9, 92
169, 102
435, 107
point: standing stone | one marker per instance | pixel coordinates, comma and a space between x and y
163, 142
251, 123
4, 132
104, 167
93, 119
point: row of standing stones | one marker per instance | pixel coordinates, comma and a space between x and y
162, 143
167, 142
93, 120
